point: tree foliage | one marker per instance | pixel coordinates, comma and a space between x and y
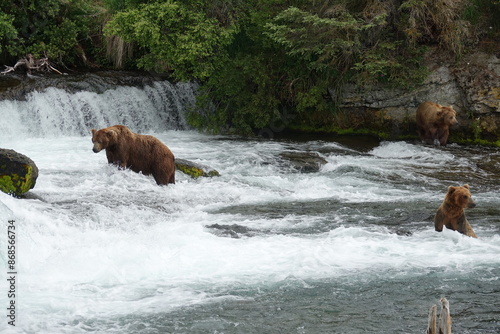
7, 32
173, 38
438, 21
52, 28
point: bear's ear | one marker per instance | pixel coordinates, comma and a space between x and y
93, 131
451, 189
112, 133
466, 186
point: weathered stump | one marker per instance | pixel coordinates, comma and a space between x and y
18, 173
431, 324
194, 169
444, 324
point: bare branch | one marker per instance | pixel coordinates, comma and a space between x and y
42, 64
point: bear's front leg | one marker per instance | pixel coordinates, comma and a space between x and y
116, 159
444, 138
120, 164
439, 221
434, 134
464, 227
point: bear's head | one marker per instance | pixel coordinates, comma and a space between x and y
460, 196
448, 115
103, 138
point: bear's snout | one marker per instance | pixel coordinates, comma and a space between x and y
97, 148
471, 204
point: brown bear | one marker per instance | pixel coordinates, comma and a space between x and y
434, 121
140, 153
451, 212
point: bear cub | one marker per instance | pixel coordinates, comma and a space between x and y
451, 212
140, 153
434, 122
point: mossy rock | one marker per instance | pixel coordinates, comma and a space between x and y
18, 173
195, 170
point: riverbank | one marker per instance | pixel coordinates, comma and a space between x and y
387, 114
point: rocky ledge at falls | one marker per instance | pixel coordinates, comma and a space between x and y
471, 86
16, 86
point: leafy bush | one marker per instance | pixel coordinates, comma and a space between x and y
173, 38
436, 21
51, 28
7, 33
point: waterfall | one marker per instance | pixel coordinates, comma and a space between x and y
52, 111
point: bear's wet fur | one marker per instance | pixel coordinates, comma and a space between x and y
451, 212
434, 122
140, 153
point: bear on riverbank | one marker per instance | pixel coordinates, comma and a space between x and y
140, 153
451, 212
434, 121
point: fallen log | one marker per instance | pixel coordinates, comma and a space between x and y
194, 169
444, 324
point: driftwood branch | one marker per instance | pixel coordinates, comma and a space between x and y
32, 64
444, 324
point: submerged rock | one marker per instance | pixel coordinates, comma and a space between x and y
304, 162
18, 173
233, 231
194, 169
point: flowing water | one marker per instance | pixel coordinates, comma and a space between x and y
260, 249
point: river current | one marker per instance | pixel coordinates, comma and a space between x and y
263, 248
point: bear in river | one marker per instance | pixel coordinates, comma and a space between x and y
140, 153
434, 121
451, 212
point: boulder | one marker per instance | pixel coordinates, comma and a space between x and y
194, 169
18, 173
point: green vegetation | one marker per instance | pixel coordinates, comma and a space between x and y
60, 30
175, 38
258, 61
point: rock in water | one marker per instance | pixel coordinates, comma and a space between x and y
18, 173
193, 169
304, 162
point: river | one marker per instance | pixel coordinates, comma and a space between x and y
261, 249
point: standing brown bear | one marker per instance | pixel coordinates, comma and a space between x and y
451, 212
140, 153
434, 121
